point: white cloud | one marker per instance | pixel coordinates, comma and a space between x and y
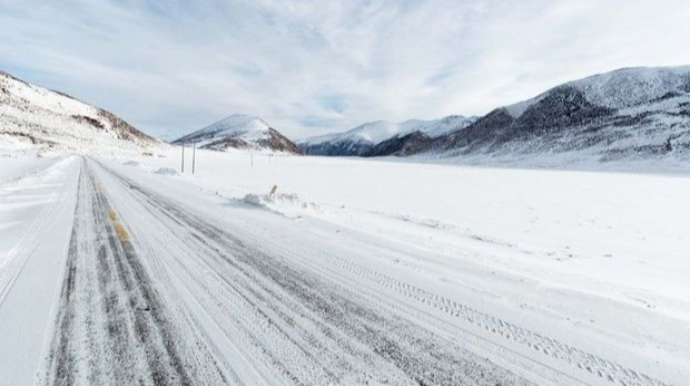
315, 66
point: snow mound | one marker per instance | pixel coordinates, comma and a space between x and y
166, 171
279, 202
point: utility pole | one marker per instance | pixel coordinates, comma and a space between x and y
182, 158
193, 157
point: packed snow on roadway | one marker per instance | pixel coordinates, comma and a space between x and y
584, 273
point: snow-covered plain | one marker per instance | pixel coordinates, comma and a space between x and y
559, 277
598, 259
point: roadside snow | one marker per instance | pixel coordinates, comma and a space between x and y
36, 211
567, 253
166, 171
287, 204
14, 168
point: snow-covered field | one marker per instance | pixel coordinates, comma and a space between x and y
504, 276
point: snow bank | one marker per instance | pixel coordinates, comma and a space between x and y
283, 203
166, 171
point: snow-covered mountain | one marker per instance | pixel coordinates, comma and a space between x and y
354, 142
361, 140
240, 132
625, 115
438, 127
46, 120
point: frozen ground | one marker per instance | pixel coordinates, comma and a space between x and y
119, 271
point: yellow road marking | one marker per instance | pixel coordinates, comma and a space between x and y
112, 215
119, 228
121, 232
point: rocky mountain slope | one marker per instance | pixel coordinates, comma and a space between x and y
626, 115
240, 132
401, 145
38, 118
633, 114
363, 140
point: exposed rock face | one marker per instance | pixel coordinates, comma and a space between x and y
342, 148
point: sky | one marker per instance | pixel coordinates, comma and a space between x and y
313, 67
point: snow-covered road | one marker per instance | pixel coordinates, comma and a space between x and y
153, 283
155, 292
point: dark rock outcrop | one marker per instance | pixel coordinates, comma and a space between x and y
401, 146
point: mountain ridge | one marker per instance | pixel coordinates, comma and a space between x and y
627, 114
239, 131
361, 140
54, 120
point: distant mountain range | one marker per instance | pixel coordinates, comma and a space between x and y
44, 119
363, 140
628, 114
239, 132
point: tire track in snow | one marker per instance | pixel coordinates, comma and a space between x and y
539, 343
607, 371
112, 327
